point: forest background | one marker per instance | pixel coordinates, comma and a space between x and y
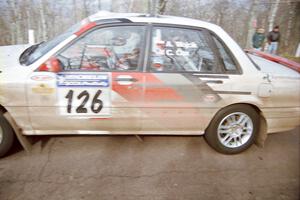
239, 18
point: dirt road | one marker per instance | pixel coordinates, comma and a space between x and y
161, 167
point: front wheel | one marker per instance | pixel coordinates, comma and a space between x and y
233, 129
6, 136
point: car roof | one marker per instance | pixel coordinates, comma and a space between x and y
147, 18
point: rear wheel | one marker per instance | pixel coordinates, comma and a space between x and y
6, 136
233, 129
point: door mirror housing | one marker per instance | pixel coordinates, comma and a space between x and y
51, 65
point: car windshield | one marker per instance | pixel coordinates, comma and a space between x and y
34, 52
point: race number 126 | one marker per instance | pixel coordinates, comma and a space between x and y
94, 106
84, 101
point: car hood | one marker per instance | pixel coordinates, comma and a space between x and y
9, 55
273, 68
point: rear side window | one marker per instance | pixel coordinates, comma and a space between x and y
181, 50
226, 58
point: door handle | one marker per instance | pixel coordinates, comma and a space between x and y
214, 81
126, 79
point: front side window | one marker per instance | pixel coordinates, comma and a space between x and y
181, 50
105, 49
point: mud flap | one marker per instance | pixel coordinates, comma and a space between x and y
24, 141
262, 134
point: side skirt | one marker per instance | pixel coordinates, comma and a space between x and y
86, 132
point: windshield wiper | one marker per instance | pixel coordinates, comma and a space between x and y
24, 56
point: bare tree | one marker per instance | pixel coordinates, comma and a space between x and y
6, 37
75, 10
49, 17
131, 4
252, 19
272, 15
15, 17
43, 16
162, 6
85, 11
99, 5
149, 4
289, 24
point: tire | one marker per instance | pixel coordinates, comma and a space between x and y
233, 129
6, 136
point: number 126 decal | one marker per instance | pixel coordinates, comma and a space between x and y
96, 105
84, 102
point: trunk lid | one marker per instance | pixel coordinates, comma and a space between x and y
274, 69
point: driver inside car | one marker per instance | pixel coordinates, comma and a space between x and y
129, 61
126, 46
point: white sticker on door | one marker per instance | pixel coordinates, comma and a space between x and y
84, 94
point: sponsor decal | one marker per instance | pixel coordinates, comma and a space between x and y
83, 80
84, 94
41, 78
172, 48
43, 89
85, 102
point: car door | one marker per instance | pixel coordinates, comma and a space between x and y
99, 86
184, 66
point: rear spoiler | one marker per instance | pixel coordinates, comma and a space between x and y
286, 62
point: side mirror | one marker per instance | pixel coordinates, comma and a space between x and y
51, 65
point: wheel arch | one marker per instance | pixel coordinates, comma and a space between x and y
2, 109
16, 129
262, 133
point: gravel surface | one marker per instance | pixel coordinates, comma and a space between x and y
161, 167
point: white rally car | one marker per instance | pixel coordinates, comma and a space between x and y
137, 74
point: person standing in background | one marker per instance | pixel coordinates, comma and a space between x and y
258, 39
273, 40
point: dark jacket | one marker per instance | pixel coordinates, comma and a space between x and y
273, 36
258, 40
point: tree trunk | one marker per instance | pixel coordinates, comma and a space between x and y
75, 10
28, 16
15, 32
149, 6
85, 9
99, 5
272, 14
130, 7
162, 6
289, 25
153, 8
251, 28
43, 20
39, 32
